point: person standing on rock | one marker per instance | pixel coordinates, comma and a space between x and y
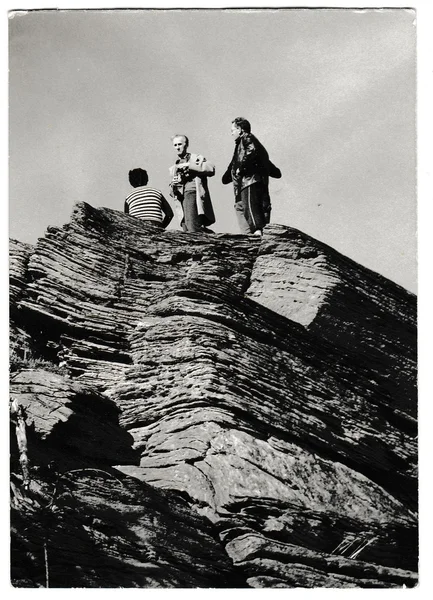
147, 203
249, 170
189, 187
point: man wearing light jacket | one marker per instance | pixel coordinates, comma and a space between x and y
189, 187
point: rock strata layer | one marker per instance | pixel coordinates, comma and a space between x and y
344, 303
269, 385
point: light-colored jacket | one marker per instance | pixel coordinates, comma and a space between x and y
203, 169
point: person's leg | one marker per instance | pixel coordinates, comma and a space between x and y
254, 199
192, 218
240, 206
267, 207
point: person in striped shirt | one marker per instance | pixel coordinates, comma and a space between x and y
147, 203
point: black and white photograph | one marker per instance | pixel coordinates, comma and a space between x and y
213, 281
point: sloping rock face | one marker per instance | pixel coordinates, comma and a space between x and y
269, 385
312, 284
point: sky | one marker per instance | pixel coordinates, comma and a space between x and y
330, 93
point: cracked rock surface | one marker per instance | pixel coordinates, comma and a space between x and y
257, 394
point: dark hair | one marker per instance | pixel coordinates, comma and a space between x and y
243, 124
180, 135
138, 177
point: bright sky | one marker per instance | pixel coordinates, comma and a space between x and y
330, 93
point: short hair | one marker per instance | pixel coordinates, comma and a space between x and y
138, 177
243, 124
180, 135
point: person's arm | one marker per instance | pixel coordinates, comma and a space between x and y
199, 164
171, 186
227, 177
168, 213
174, 190
208, 168
274, 171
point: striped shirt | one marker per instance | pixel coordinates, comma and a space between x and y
145, 203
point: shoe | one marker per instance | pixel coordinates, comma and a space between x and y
258, 232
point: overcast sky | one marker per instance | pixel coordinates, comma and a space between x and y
330, 93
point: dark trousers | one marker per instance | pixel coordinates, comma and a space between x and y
250, 208
191, 219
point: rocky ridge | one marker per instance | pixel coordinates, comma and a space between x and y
256, 397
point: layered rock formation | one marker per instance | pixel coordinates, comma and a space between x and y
264, 390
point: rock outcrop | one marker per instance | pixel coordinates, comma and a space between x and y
262, 390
